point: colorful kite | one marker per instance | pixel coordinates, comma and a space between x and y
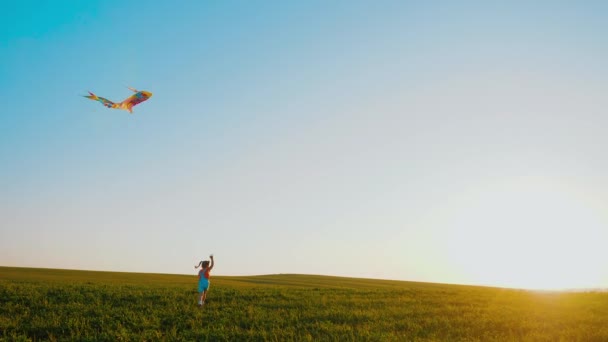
137, 98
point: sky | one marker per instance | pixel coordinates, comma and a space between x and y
437, 141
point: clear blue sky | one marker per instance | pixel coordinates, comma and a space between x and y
444, 141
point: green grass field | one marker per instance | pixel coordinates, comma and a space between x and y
48, 304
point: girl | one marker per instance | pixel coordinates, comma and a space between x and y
203, 279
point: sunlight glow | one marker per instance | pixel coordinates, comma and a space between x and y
530, 235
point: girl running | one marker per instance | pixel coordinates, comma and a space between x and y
203, 279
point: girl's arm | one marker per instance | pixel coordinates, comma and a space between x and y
211, 266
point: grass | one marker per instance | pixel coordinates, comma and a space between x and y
48, 304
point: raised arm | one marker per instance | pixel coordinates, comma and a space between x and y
212, 263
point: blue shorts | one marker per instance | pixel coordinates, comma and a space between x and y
203, 284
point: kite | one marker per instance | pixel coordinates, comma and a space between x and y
127, 104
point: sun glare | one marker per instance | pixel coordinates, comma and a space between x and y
529, 236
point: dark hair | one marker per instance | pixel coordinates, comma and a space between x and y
203, 263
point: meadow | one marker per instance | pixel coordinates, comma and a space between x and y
58, 305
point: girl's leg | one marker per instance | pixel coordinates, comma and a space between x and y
204, 296
199, 296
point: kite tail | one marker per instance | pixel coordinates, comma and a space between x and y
103, 101
92, 97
